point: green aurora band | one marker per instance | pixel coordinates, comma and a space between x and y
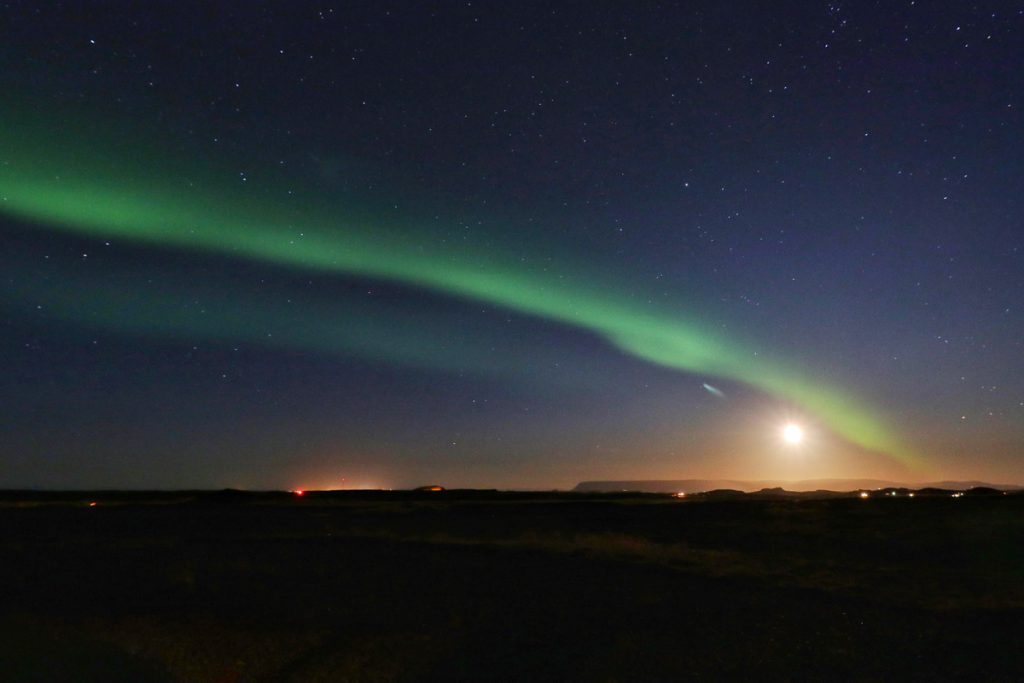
111, 187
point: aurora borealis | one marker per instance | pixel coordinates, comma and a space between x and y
143, 178
117, 207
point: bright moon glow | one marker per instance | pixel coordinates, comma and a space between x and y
793, 433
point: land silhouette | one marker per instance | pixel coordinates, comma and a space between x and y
490, 585
834, 485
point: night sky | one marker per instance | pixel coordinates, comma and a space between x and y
512, 245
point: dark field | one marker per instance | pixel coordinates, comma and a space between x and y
481, 586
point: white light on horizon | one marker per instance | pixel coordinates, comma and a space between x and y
793, 433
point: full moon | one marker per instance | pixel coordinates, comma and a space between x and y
793, 433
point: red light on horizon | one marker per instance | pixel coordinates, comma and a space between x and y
299, 492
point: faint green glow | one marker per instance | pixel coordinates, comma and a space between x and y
163, 304
115, 188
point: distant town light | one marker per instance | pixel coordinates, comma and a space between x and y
863, 494
299, 492
681, 494
92, 504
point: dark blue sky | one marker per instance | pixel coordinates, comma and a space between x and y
834, 184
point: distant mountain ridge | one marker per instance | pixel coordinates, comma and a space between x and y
696, 485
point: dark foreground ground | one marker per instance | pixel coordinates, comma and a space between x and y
532, 587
